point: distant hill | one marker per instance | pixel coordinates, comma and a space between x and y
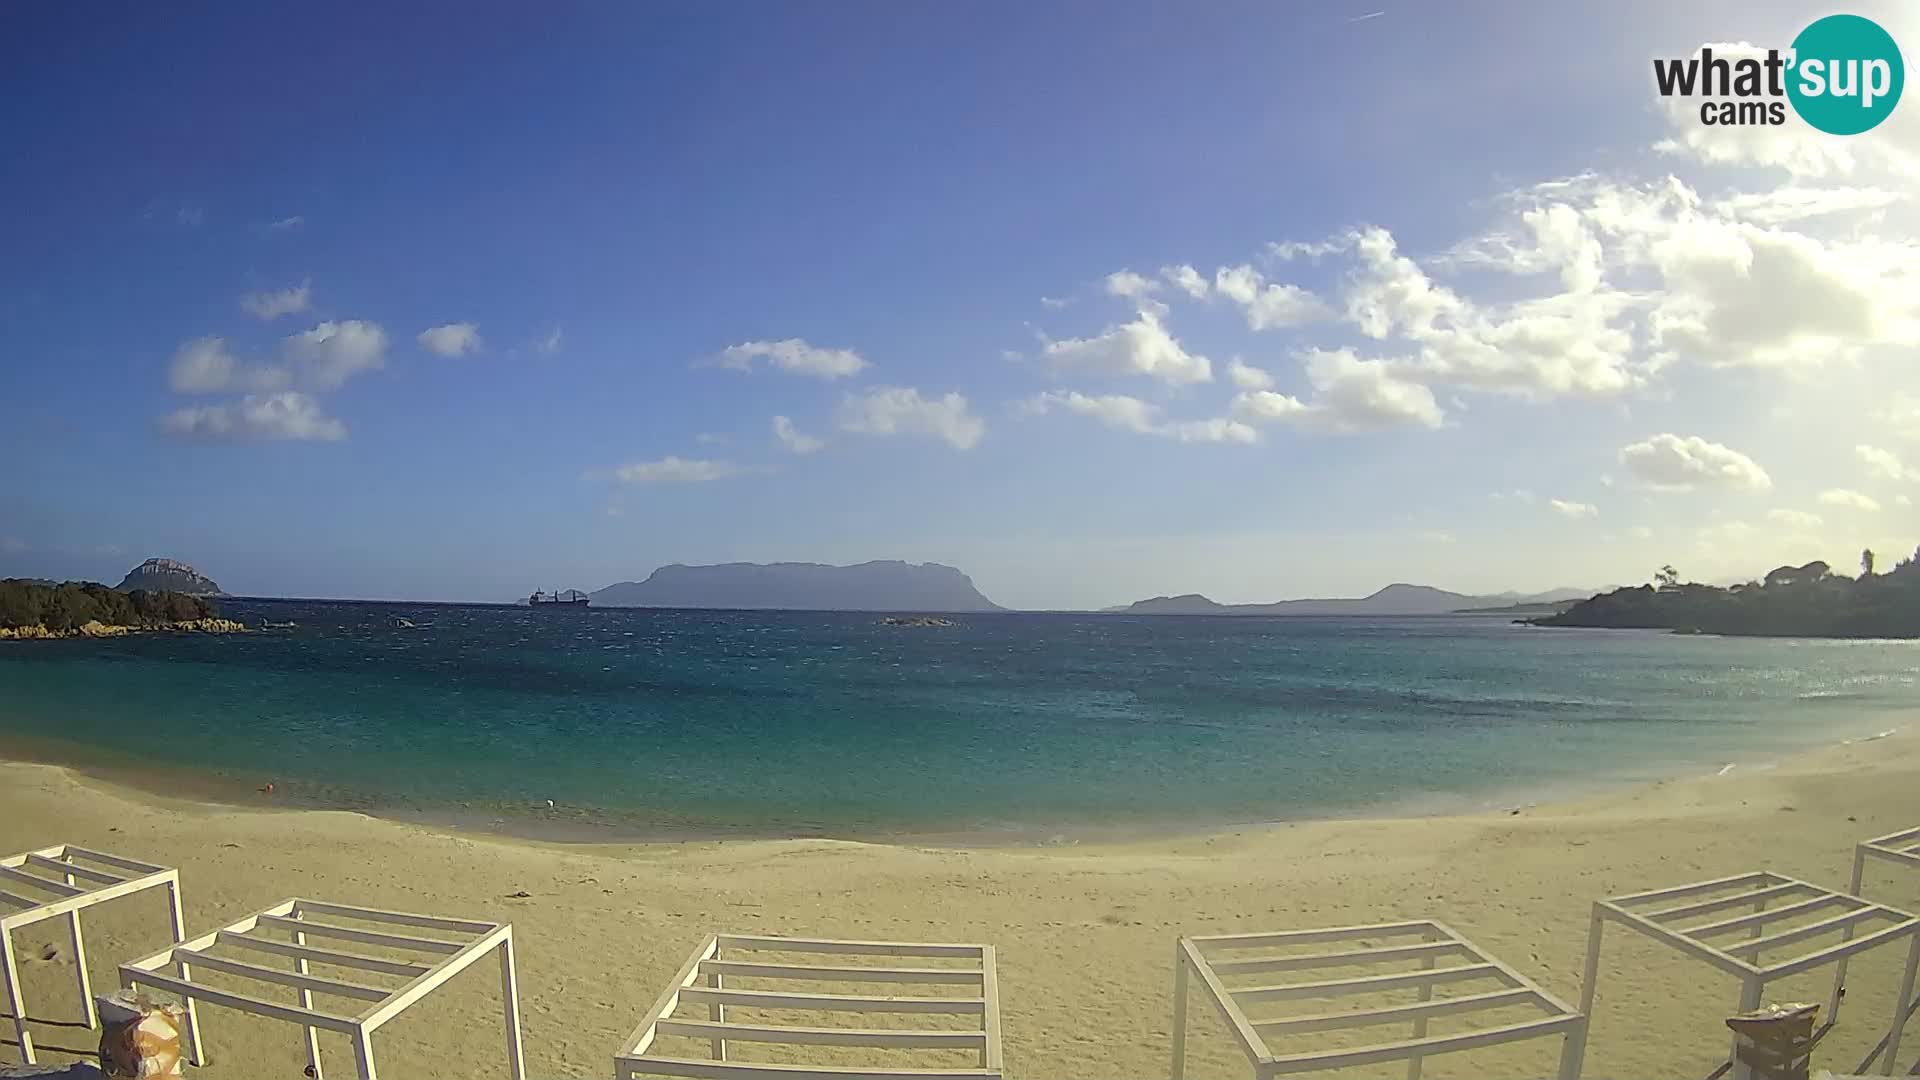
889, 585
1396, 599
169, 575
1792, 601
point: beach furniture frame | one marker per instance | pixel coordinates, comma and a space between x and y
1694, 919
707, 979
1901, 848
77, 878
283, 930
1443, 956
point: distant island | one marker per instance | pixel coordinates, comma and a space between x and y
32, 609
170, 575
1791, 601
1396, 599
887, 585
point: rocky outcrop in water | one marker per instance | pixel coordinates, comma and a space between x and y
170, 575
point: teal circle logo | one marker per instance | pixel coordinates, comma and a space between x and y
1847, 74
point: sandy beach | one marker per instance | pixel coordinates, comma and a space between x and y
1085, 933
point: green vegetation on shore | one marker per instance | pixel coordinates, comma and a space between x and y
1792, 601
64, 609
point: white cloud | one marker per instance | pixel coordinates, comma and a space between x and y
285, 415
1794, 519
1574, 510
268, 306
286, 224
1297, 249
1187, 280
1350, 395
1246, 377
676, 470
1132, 414
1669, 462
1130, 285
1784, 205
333, 352
791, 438
552, 343
893, 410
202, 366
1140, 347
1267, 306
1055, 302
452, 339
795, 357
1848, 499
1882, 463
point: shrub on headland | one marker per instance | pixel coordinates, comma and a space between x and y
67, 608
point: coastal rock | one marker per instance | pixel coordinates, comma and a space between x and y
97, 629
170, 575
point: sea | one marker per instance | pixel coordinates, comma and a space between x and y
609, 724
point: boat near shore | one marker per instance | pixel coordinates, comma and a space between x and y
570, 598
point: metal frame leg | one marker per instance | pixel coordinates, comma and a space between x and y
510, 998
1846, 935
306, 1002
1750, 991
1902, 1005
363, 1052
1572, 1049
80, 960
196, 1052
1573, 1053
1420, 1022
1179, 1067
14, 1000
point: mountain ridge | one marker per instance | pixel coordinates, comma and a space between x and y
1399, 598
876, 585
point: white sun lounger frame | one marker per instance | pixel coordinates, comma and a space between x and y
1432, 943
297, 920
702, 980
1901, 848
85, 878
1651, 913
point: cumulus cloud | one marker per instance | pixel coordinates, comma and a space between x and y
1267, 306
1848, 499
1247, 377
1350, 395
676, 470
1187, 280
202, 366
268, 306
1882, 463
1794, 519
894, 410
791, 438
1132, 414
1574, 510
1668, 462
1140, 347
333, 352
795, 357
286, 415
451, 339
1128, 284
318, 359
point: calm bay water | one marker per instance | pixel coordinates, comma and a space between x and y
674, 721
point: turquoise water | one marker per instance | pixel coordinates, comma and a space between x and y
805, 723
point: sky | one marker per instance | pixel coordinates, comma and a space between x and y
1093, 301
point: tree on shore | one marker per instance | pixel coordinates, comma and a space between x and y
1866, 562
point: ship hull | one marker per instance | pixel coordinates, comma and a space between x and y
558, 603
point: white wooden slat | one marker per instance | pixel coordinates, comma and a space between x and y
1236, 1018
17, 901
990, 1017
1698, 887
242, 1002
1761, 918
1894, 839
76, 869
321, 956
642, 1036
863, 948
284, 978
364, 937
1801, 933
768, 999
756, 970
1845, 948
1338, 959
122, 862
698, 1069
1367, 984
1495, 999
1437, 1044
1667, 934
810, 1036
420, 985
402, 918
1725, 903
25, 878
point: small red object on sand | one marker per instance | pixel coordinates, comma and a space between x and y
269, 788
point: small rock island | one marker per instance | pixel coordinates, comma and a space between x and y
1791, 601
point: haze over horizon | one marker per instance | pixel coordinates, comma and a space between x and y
1246, 301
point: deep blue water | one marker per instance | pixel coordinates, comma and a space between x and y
835, 723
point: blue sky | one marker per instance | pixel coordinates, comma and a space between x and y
348, 302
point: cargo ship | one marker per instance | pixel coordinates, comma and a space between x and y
569, 598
